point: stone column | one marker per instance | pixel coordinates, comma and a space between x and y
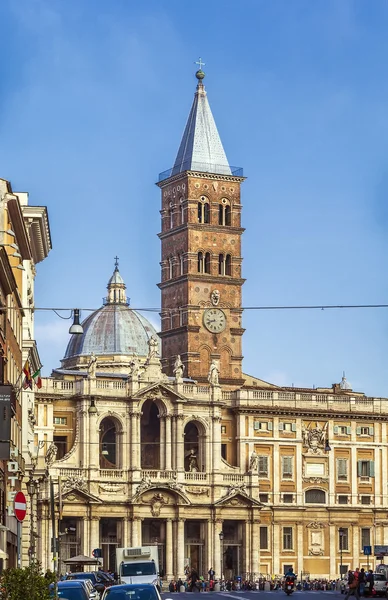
179, 447
299, 535
136, 531
173, 442
216, 442
255, 548
276, 472
162, 444
180, 548
209, 544
218, 523
135, 440
126, 535
247, 528
377, 478
276, 549
168, 443
84, 522
94, 534
356, 544
94, 455
333, 538
168, 546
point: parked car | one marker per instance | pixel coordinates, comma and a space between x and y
131, 591
380, 584
98, 584
70, 590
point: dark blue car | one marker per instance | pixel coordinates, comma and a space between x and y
70, 590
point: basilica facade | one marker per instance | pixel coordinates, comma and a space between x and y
162, 439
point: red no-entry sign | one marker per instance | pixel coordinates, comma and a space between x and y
20, 506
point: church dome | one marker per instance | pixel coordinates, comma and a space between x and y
113, 329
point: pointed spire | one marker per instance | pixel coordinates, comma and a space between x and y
201, 148
116, 287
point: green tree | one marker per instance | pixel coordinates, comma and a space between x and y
25, 583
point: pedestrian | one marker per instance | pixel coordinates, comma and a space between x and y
353, 585
211, 574
369, 583
361, 582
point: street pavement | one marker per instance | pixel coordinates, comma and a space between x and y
277, 595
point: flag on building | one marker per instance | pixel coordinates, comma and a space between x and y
38, 380
27, 383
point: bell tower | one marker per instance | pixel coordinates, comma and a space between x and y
201, 231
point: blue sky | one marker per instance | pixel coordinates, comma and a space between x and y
94, 99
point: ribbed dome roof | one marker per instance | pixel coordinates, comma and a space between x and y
115, 328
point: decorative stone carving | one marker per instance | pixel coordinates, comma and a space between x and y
315, 479
253, 462
241, 488
157, 502
51, 454
215, 297
316, 552
315, 525
144, 485
74, 482
198, 491
92, 366
179, 368
174, 485
214, 372
111, 487
314, 439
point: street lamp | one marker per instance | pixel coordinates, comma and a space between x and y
341, 532
221, 536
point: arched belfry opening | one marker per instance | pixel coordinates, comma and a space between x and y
109, 450
150, 436
194, 446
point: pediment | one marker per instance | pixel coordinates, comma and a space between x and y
159, 390
238, 498
75, 495
172, 491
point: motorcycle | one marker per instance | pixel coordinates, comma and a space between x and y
289, 585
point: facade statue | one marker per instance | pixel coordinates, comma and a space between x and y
92, 366
193, 464
51, 454
254, 461
179, 368
213, 376
134, 367
153, 347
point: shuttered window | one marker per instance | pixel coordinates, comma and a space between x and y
263, 538
287, 467
365, 468
263, 466
342, 469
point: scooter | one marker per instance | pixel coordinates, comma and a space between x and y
289, 585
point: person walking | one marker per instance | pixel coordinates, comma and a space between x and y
361, 582
211, 573
353, 585
370, 582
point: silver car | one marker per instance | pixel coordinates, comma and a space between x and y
380, 584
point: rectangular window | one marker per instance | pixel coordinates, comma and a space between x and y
343, 538
365, 499
364, 431
365, 537
287, 464
264, 538
287, 538
342, 430
343, 499
365, 468
61, 442
342, 469
287, 427
263, 466
262, 426
263, 498
223, 428
60, 420
288, 498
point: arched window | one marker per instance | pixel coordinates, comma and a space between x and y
203, 210
224, 215
181, 264
182, 211
171, 215
204, 262
221, 265
224, 264
170, 268
315, 497
228, 264
108, 444
200, 262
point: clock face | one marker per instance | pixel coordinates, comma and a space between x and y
214, 320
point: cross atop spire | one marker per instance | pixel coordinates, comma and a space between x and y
200, 63
116, 263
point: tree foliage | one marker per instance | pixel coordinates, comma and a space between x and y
25, 583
